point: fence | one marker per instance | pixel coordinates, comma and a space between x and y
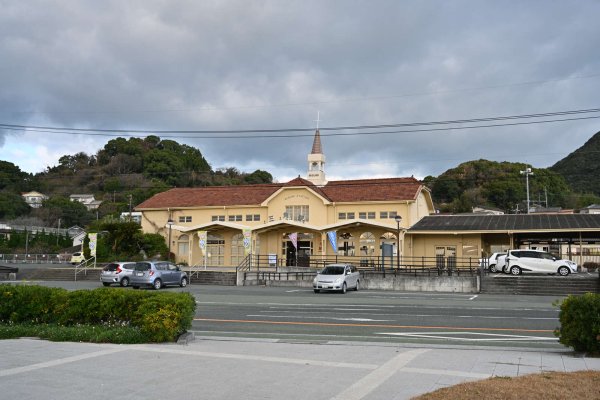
35, 258
429, 266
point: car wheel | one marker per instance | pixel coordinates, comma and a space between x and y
563, 271
125, 282
157, 284
515, 270
183, 282
493, 268
316, 290
344, 288
106, 283
135, 287
356, 288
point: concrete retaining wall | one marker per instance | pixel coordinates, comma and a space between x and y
448, 284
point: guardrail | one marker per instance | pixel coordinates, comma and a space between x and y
35, 258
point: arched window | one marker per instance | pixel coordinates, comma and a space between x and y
367, 244
183, 246
215, 249
345, 244
237, 249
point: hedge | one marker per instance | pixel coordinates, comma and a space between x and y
580, 323
160, 316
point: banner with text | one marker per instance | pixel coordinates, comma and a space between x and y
247, 241
93, 243
202, 236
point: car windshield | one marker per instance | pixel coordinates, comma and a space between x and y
333, 270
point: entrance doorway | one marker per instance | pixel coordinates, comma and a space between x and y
303, 253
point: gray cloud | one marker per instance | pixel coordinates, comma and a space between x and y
156, 65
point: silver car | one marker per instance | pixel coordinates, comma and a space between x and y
117, 272
157, 274
337, 277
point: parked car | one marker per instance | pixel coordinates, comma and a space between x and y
157, 274
77, 258
492, 262
519, 261
337, 277
500, 263
117, 272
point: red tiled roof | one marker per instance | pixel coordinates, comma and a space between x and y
211, 196
390, 189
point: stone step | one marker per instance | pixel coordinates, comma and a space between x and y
536, 285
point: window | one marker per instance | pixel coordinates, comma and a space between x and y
367, 244
252, 217
392, 214
341, 215
383, 214
362, 215
185, 219
350, 215
297, 213
218, 218
248, 217
371, 215
233, 218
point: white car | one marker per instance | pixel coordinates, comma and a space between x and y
339, 277
519, 261
493, 264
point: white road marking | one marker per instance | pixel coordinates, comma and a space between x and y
474, 297
483, 337
266, 314
60, 361
372, 381
328, 318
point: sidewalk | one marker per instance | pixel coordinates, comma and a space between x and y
224, 368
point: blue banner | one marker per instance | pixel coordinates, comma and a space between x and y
332, 235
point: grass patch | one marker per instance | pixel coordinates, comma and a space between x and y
76, 333
546, 386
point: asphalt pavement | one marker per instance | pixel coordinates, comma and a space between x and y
228, 368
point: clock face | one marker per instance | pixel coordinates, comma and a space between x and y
315, 165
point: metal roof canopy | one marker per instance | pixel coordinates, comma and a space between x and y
508, 223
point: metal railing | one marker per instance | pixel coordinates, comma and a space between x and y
35, 258
430, 266
84, 266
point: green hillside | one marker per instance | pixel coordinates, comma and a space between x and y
581, 168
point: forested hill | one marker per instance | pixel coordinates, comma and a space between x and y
123, 172
581, 168
499, 185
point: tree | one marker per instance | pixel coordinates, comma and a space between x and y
70, 212
12, 205
258, 176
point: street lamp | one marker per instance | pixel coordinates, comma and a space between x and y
398, 220
170, 223
527, 172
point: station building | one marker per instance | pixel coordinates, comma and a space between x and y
288, 222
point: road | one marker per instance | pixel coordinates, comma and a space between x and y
294, 314
375, 316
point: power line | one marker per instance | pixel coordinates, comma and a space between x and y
168, 133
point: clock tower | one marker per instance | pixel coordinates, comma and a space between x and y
316, 162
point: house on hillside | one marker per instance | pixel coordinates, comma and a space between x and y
87, 200
34, 199
287, 222
591, 209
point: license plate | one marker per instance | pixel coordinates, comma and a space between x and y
139, 273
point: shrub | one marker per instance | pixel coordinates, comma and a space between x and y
591, 266
580, 323
158, 316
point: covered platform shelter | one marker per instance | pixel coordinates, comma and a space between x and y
572, 236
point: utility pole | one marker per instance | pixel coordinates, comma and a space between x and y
527, 172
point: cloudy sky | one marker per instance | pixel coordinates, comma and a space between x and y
151, 66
